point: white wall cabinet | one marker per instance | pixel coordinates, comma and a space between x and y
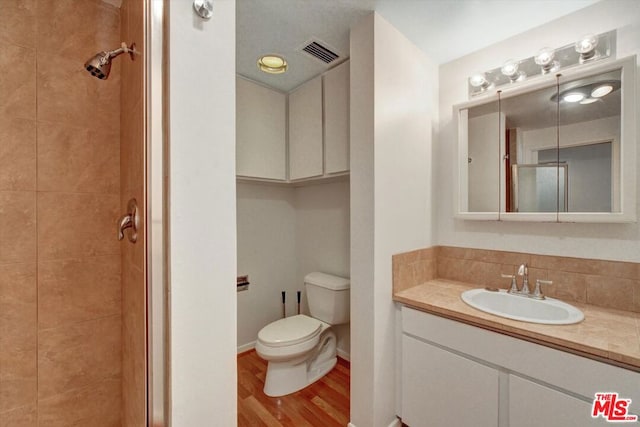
450, 369
441, 384
336, 119
260, 131
305, 131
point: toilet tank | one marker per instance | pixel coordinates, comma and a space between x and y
328, 297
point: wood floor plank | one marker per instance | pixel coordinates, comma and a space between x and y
323, 404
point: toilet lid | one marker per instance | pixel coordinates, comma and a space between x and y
290, 330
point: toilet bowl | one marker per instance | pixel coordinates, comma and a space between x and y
301, 349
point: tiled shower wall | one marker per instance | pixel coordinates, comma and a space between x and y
60, 275
132, 185
611, 284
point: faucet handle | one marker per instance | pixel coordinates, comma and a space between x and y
514, 285
537, 292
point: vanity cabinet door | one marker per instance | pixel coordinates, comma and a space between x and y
305, 131
260, 132
442, 389
336, 119
534, 405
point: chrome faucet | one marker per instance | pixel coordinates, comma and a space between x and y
523, 270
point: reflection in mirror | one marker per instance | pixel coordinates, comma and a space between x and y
486, 130
566, 139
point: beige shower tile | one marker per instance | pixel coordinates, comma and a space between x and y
17, 227
77, 225
133, 345
75, 159
132, 149
18, 307
77, 29
18, 82
25, 416
611, 292
76, 356
17, 154
68, 94
79, 289
96, 405
18, 23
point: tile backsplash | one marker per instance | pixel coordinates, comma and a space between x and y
611, 284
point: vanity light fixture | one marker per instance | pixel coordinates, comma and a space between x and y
510, 69
601, 91
586, 47
547, 62
479, 81
272, 64
545, 59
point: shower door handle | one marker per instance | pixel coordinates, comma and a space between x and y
131, 221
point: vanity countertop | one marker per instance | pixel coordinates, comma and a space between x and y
607, 335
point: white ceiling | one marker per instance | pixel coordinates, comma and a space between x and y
443, 29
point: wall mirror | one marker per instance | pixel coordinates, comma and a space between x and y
559, 148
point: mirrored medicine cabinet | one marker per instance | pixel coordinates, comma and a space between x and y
558, 148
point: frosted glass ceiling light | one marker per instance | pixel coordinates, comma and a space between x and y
601, 91
586, 47
544, 58
573, 97
588, 101
272, 64
510, 69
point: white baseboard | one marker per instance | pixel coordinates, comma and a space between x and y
394, 423
246, 347
343, 355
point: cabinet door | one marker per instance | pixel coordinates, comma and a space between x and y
534, 405
260, 131
305, 130
442, 389
336, 119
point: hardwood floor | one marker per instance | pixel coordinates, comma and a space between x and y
325, 403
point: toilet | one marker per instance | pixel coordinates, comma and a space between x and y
302, 349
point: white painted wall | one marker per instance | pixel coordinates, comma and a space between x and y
284, 233
267, 252
606, 241
322, 239
202, 294
392, 110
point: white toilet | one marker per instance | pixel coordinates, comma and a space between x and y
302, 349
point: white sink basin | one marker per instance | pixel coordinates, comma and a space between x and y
548, 311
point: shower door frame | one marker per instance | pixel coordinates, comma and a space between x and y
157, 201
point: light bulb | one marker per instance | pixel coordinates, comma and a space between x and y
510, 68
478, 80
586, 47
601, 91
544, 58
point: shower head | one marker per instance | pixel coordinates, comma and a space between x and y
100, 64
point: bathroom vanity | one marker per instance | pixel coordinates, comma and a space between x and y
463, 367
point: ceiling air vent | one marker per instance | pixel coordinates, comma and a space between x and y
320, 52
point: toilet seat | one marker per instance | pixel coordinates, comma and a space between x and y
290, 331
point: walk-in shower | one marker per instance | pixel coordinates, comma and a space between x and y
100, 64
